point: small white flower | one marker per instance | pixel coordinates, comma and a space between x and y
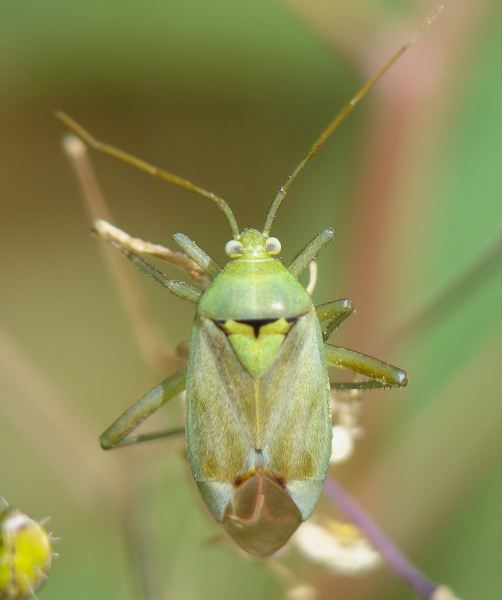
339, 546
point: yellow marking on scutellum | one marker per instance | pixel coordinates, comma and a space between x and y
256, 345
280, 326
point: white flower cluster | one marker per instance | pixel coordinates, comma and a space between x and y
339, 546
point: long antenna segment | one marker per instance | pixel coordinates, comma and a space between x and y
342, 115
148, 168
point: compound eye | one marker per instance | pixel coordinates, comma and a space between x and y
234, 249
273, 246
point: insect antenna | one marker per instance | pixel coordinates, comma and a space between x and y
342, 115
148, 168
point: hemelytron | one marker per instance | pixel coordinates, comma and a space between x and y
257, 422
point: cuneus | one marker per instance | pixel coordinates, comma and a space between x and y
258, 424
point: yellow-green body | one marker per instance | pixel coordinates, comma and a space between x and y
258, 423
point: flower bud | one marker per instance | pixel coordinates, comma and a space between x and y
25, 555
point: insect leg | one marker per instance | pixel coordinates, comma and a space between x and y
115, 236
371, 384
381, 374
179, 288
332, 314
205, 262
119, 433
311, 250
138, 438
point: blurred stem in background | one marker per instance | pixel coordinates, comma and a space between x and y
46, 419
43, 416
153, 349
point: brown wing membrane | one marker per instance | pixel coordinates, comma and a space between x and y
261, 516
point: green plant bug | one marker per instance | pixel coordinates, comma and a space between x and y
257, 422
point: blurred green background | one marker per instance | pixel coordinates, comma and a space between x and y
231, 95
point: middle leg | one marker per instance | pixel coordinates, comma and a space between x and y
179, 288
381, 374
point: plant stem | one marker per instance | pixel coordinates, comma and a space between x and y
424, 587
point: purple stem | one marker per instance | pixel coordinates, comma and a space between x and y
403, 567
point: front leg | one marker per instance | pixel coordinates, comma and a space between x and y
120, 432
115, 236
381, 374
179, 288
311, 250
